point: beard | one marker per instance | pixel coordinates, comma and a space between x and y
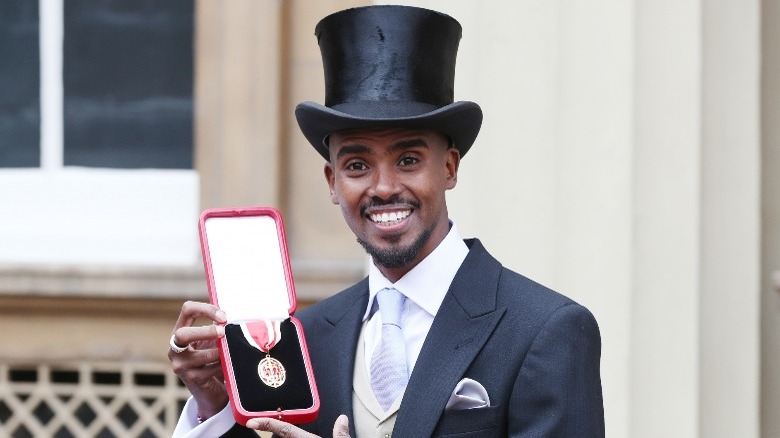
396, 257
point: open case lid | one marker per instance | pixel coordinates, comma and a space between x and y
246, 262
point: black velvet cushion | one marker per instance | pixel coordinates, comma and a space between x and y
256, 396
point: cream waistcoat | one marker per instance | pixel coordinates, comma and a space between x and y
369, 418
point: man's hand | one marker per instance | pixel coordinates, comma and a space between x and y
287, 430
198, 366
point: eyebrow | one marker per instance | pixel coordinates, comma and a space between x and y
352, 149
407, 144
401, 145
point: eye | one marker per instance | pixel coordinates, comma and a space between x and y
408, 160
356, 166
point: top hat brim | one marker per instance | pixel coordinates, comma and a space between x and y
460, 121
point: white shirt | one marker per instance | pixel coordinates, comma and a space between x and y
424, 287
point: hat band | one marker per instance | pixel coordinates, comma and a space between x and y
384, 109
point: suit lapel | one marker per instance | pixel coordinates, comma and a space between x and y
464, 322
336, 337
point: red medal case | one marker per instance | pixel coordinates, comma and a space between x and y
249, 278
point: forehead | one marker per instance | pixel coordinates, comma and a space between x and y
385, 136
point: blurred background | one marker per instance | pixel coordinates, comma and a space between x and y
629, 158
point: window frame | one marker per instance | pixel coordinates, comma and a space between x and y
67, 215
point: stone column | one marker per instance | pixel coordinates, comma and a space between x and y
237, 93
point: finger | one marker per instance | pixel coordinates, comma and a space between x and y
192, 310
279, 428
193, 360
188, 335
202, 378
341, 427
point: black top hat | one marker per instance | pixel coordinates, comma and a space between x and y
386, 67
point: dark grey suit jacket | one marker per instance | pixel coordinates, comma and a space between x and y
536, 352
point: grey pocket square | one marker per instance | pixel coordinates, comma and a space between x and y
468, 394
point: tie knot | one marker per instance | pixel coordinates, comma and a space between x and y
390, 302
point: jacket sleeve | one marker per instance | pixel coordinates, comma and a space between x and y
558, 389
239, 431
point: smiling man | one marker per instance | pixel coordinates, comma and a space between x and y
390, 185
439, 339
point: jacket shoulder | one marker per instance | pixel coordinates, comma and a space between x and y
515, 291
335, 306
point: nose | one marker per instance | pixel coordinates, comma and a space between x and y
385, 184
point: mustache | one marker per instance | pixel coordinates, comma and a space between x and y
394, 200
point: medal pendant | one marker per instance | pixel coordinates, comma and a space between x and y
271, 372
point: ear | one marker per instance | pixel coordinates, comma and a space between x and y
330, 176
452, 164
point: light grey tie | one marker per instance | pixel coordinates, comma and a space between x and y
388, 363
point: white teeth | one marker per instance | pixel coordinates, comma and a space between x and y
387, 218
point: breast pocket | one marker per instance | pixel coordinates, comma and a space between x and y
480, 422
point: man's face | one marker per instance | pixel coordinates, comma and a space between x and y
390, 185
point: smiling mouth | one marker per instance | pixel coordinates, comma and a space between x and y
389, 218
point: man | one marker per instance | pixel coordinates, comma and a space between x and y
483, 351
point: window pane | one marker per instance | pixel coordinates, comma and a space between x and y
128, 83
20, 108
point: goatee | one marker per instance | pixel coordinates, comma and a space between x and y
397, 256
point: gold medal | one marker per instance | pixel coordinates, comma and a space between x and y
271, 372
264, 335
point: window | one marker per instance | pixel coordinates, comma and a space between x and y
127, 74
20, 110
96, 132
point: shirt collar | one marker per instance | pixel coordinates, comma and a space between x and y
427, 283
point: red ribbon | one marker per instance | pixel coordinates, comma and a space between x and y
266, 334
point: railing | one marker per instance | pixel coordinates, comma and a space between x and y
89, 400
